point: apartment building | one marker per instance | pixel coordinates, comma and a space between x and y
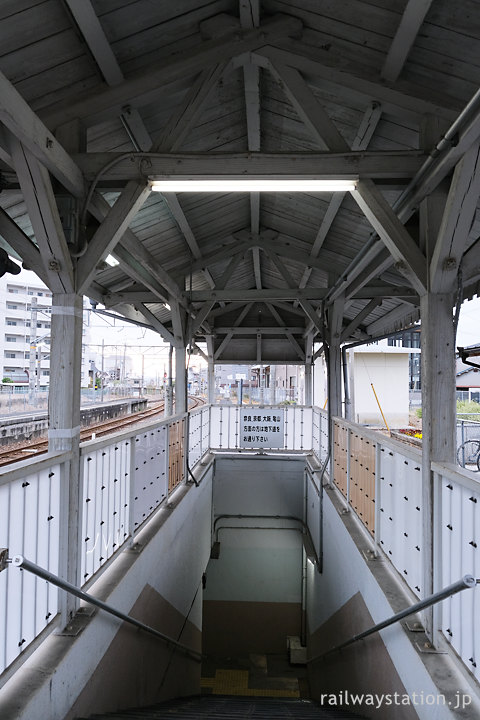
25, 325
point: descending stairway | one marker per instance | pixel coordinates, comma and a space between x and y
226, 707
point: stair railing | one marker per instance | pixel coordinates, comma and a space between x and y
24, 564
467, 581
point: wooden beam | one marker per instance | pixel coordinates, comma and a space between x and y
115, 169
263, 329
135, 129
154, 322
257, 295
308, 108
43, 212
228, 272
457, 220
288, 331
366, 129
98, 105
111, 299
141, 273
257, 271
394, 320
92, 31
408, 257
359, 318
139, 314
184, 117
21, 243
111, 230
312, 315
251, 75
29, 130
346, 86
238, 321
249, 13
180, 218
371, 270
200, 316
412, 19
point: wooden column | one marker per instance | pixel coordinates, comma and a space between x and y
211, 382
308, 384
438, 414
64, 429
168, 407
180, 380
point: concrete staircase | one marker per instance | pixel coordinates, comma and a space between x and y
230, 708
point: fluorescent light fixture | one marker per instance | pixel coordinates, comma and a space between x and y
251, 185
110, 260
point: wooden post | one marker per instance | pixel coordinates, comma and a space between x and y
438, 415
168, 407
180, 380
308, 384
64, 429
211, 382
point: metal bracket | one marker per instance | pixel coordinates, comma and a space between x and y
3, 558
428, 649
78, 622
414, 626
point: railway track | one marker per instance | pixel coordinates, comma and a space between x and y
39, 446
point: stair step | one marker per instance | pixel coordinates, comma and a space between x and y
221, 707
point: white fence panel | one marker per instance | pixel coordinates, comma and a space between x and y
320, 434
400, 531
298, 428
459, 547
198, 435
105, 501
150, 472
29, 525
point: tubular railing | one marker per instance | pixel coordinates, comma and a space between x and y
24, 564
468, 581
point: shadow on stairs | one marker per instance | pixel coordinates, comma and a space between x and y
224, 707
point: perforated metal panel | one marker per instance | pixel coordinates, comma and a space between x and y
400, 532
105, 503
459, 538
30, 526
150, 472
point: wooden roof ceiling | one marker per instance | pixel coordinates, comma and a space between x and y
99, 97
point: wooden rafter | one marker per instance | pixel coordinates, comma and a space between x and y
412, 18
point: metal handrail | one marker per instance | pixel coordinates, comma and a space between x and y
21, 562
467, 581
304, 525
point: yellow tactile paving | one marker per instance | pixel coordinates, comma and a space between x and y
235, 682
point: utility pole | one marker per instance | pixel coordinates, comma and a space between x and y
32, 384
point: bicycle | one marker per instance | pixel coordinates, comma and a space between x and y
468, 455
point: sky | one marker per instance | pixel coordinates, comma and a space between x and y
468, 332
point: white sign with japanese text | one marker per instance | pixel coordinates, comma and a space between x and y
261, 428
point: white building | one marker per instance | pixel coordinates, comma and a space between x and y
24, 300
